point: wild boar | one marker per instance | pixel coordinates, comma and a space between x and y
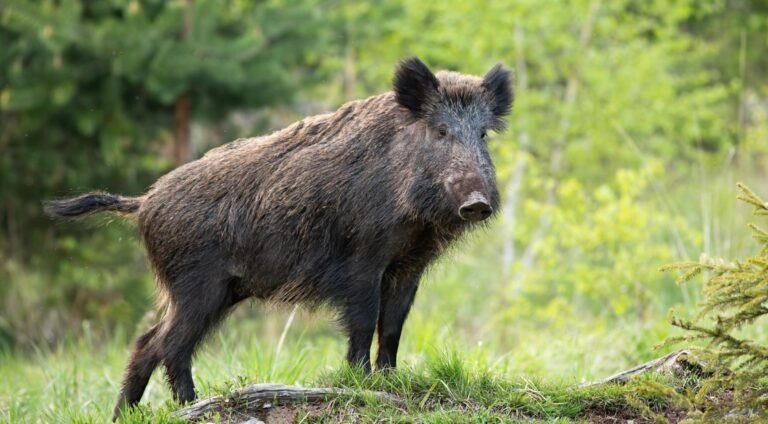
345, 209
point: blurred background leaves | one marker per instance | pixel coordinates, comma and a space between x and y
632, 121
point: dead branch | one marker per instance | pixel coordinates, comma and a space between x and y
265, 396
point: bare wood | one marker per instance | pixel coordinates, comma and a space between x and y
674, 363
264, 396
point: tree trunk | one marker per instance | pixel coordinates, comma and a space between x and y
181, 130
183, 105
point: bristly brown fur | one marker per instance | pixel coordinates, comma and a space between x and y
345, 209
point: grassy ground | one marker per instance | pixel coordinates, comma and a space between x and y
79, 381
445, 388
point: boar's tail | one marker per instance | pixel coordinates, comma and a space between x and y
91, 203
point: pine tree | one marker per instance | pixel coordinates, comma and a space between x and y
92, 96
735, 298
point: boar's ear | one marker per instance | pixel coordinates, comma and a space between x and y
496, 83
415, 86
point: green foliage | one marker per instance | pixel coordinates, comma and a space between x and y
735, 298
87, 96
588, 73
598, 249
49, 301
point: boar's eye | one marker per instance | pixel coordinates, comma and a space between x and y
483, 135
442, 131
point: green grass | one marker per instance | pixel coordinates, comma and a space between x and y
445, 386
79, 381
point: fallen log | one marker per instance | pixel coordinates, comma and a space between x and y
266, 396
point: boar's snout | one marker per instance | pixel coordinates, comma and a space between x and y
469, 191
476, 208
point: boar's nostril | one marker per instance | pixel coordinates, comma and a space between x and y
477, 211
476, 208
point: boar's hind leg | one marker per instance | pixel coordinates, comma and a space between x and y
359, 314
143, 361
397, 296
192, 314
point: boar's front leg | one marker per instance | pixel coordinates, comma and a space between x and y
397, 294
359, 313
